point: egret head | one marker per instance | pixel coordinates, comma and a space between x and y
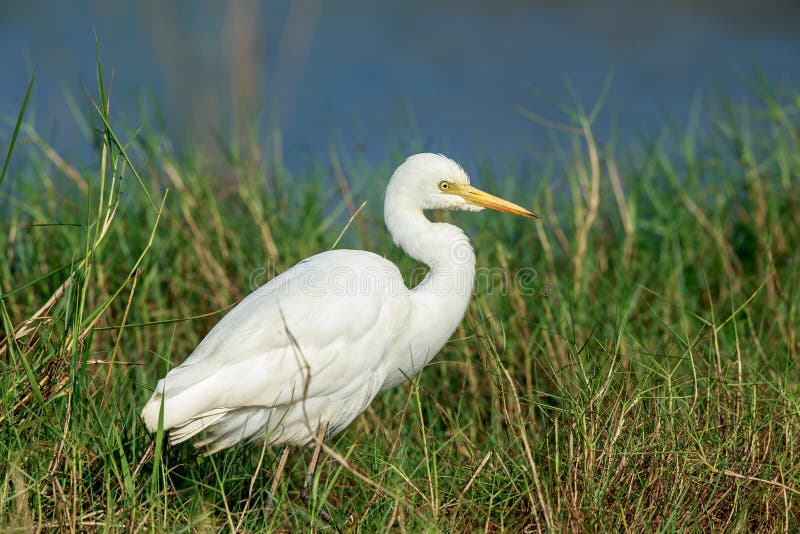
433, 181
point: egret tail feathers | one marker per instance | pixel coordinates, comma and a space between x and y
196, 425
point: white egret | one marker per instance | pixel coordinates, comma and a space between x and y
302, 356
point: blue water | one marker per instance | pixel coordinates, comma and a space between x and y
364, 74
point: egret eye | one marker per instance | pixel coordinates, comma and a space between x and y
444, 185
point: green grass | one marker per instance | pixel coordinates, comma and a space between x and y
643, 378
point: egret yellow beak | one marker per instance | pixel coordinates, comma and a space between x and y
475, 196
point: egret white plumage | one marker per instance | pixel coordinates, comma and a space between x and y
302, 356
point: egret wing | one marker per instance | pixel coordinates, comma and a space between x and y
311, 332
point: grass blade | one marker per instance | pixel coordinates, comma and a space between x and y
17, 128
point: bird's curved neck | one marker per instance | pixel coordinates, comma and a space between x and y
441, 246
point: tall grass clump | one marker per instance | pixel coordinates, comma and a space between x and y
628, 364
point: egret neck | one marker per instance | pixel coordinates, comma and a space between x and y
443, 296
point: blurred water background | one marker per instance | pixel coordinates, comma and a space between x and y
364, 75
